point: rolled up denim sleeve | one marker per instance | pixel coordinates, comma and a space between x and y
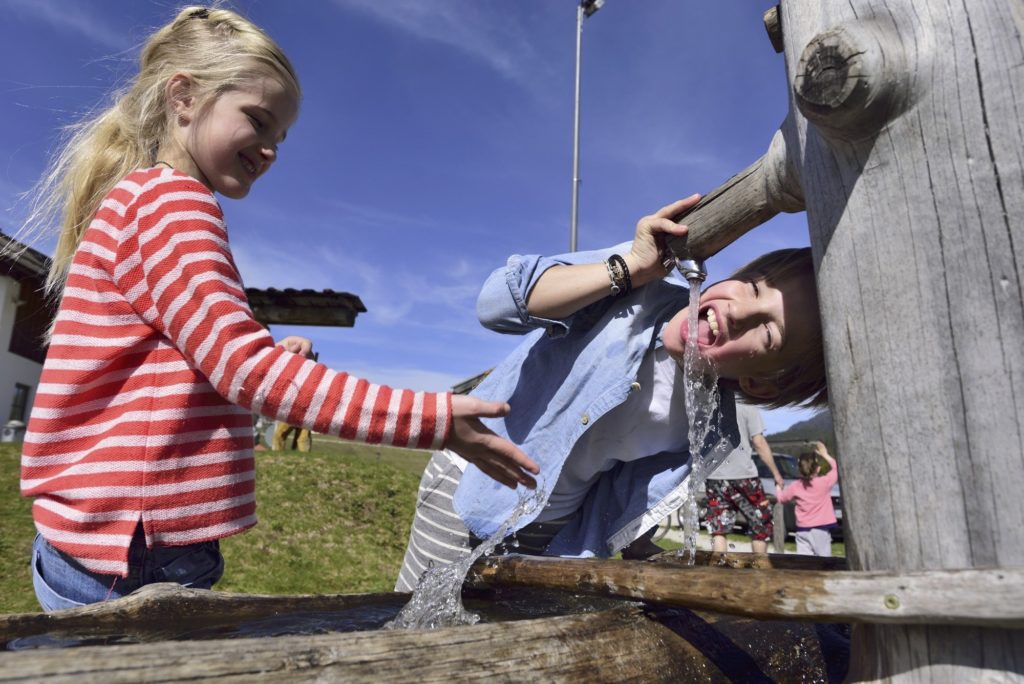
501, 305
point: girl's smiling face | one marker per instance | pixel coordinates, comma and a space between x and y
747, 329
232, 140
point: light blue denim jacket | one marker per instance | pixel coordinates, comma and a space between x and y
563, 377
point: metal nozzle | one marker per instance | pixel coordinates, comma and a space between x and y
692, 269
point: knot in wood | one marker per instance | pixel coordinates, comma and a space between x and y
829, 72
826, 75
852, 80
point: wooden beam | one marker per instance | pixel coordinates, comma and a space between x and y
615, 646
619, 644
149, 610
773, 25
988, 598
743, 202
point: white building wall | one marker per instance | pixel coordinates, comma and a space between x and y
13, 368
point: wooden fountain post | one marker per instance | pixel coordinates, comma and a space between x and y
905, 132
904, 145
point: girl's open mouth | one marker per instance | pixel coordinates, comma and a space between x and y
248, 165
707, 328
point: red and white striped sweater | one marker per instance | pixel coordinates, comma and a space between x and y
144, 408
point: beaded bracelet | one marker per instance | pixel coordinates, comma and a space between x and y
627, 281
613, 276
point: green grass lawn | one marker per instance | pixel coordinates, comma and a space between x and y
333, 521
16, 532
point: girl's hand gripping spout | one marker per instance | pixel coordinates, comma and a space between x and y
650, 257
495, 456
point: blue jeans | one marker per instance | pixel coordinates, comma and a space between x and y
61, 582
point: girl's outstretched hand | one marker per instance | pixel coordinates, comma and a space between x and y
297, 345
650, 258
495, 456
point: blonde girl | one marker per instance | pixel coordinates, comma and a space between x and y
139, 449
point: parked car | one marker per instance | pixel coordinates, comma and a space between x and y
789, 470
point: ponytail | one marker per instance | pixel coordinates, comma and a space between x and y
218, 48
808, 466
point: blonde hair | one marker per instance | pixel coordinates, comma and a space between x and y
804, 382
218, 48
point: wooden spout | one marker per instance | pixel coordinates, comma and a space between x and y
745, 201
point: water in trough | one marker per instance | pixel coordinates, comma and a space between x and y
437, 600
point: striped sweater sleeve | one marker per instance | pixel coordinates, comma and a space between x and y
175, 268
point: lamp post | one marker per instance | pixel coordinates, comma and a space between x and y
583, 10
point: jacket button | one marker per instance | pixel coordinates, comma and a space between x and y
585, 419
635, 387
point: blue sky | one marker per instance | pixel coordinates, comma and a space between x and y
435, 139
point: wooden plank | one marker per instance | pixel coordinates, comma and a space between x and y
147, 612
153, 607
620, 645
989, 598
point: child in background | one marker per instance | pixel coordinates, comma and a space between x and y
139, 450
735, 486
598, 396
815, 516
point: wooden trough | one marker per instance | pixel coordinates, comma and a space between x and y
614, 640
728, 617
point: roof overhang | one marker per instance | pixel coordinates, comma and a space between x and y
304, 307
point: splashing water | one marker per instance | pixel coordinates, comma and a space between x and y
701, 390
437, 599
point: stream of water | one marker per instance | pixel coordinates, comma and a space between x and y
701, 390
437, 600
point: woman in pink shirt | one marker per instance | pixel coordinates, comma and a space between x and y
812, 493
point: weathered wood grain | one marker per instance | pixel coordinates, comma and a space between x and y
958, 597
154, 607
915, 214
611, 643
158, 609
773, 26
619, 645
743, 202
